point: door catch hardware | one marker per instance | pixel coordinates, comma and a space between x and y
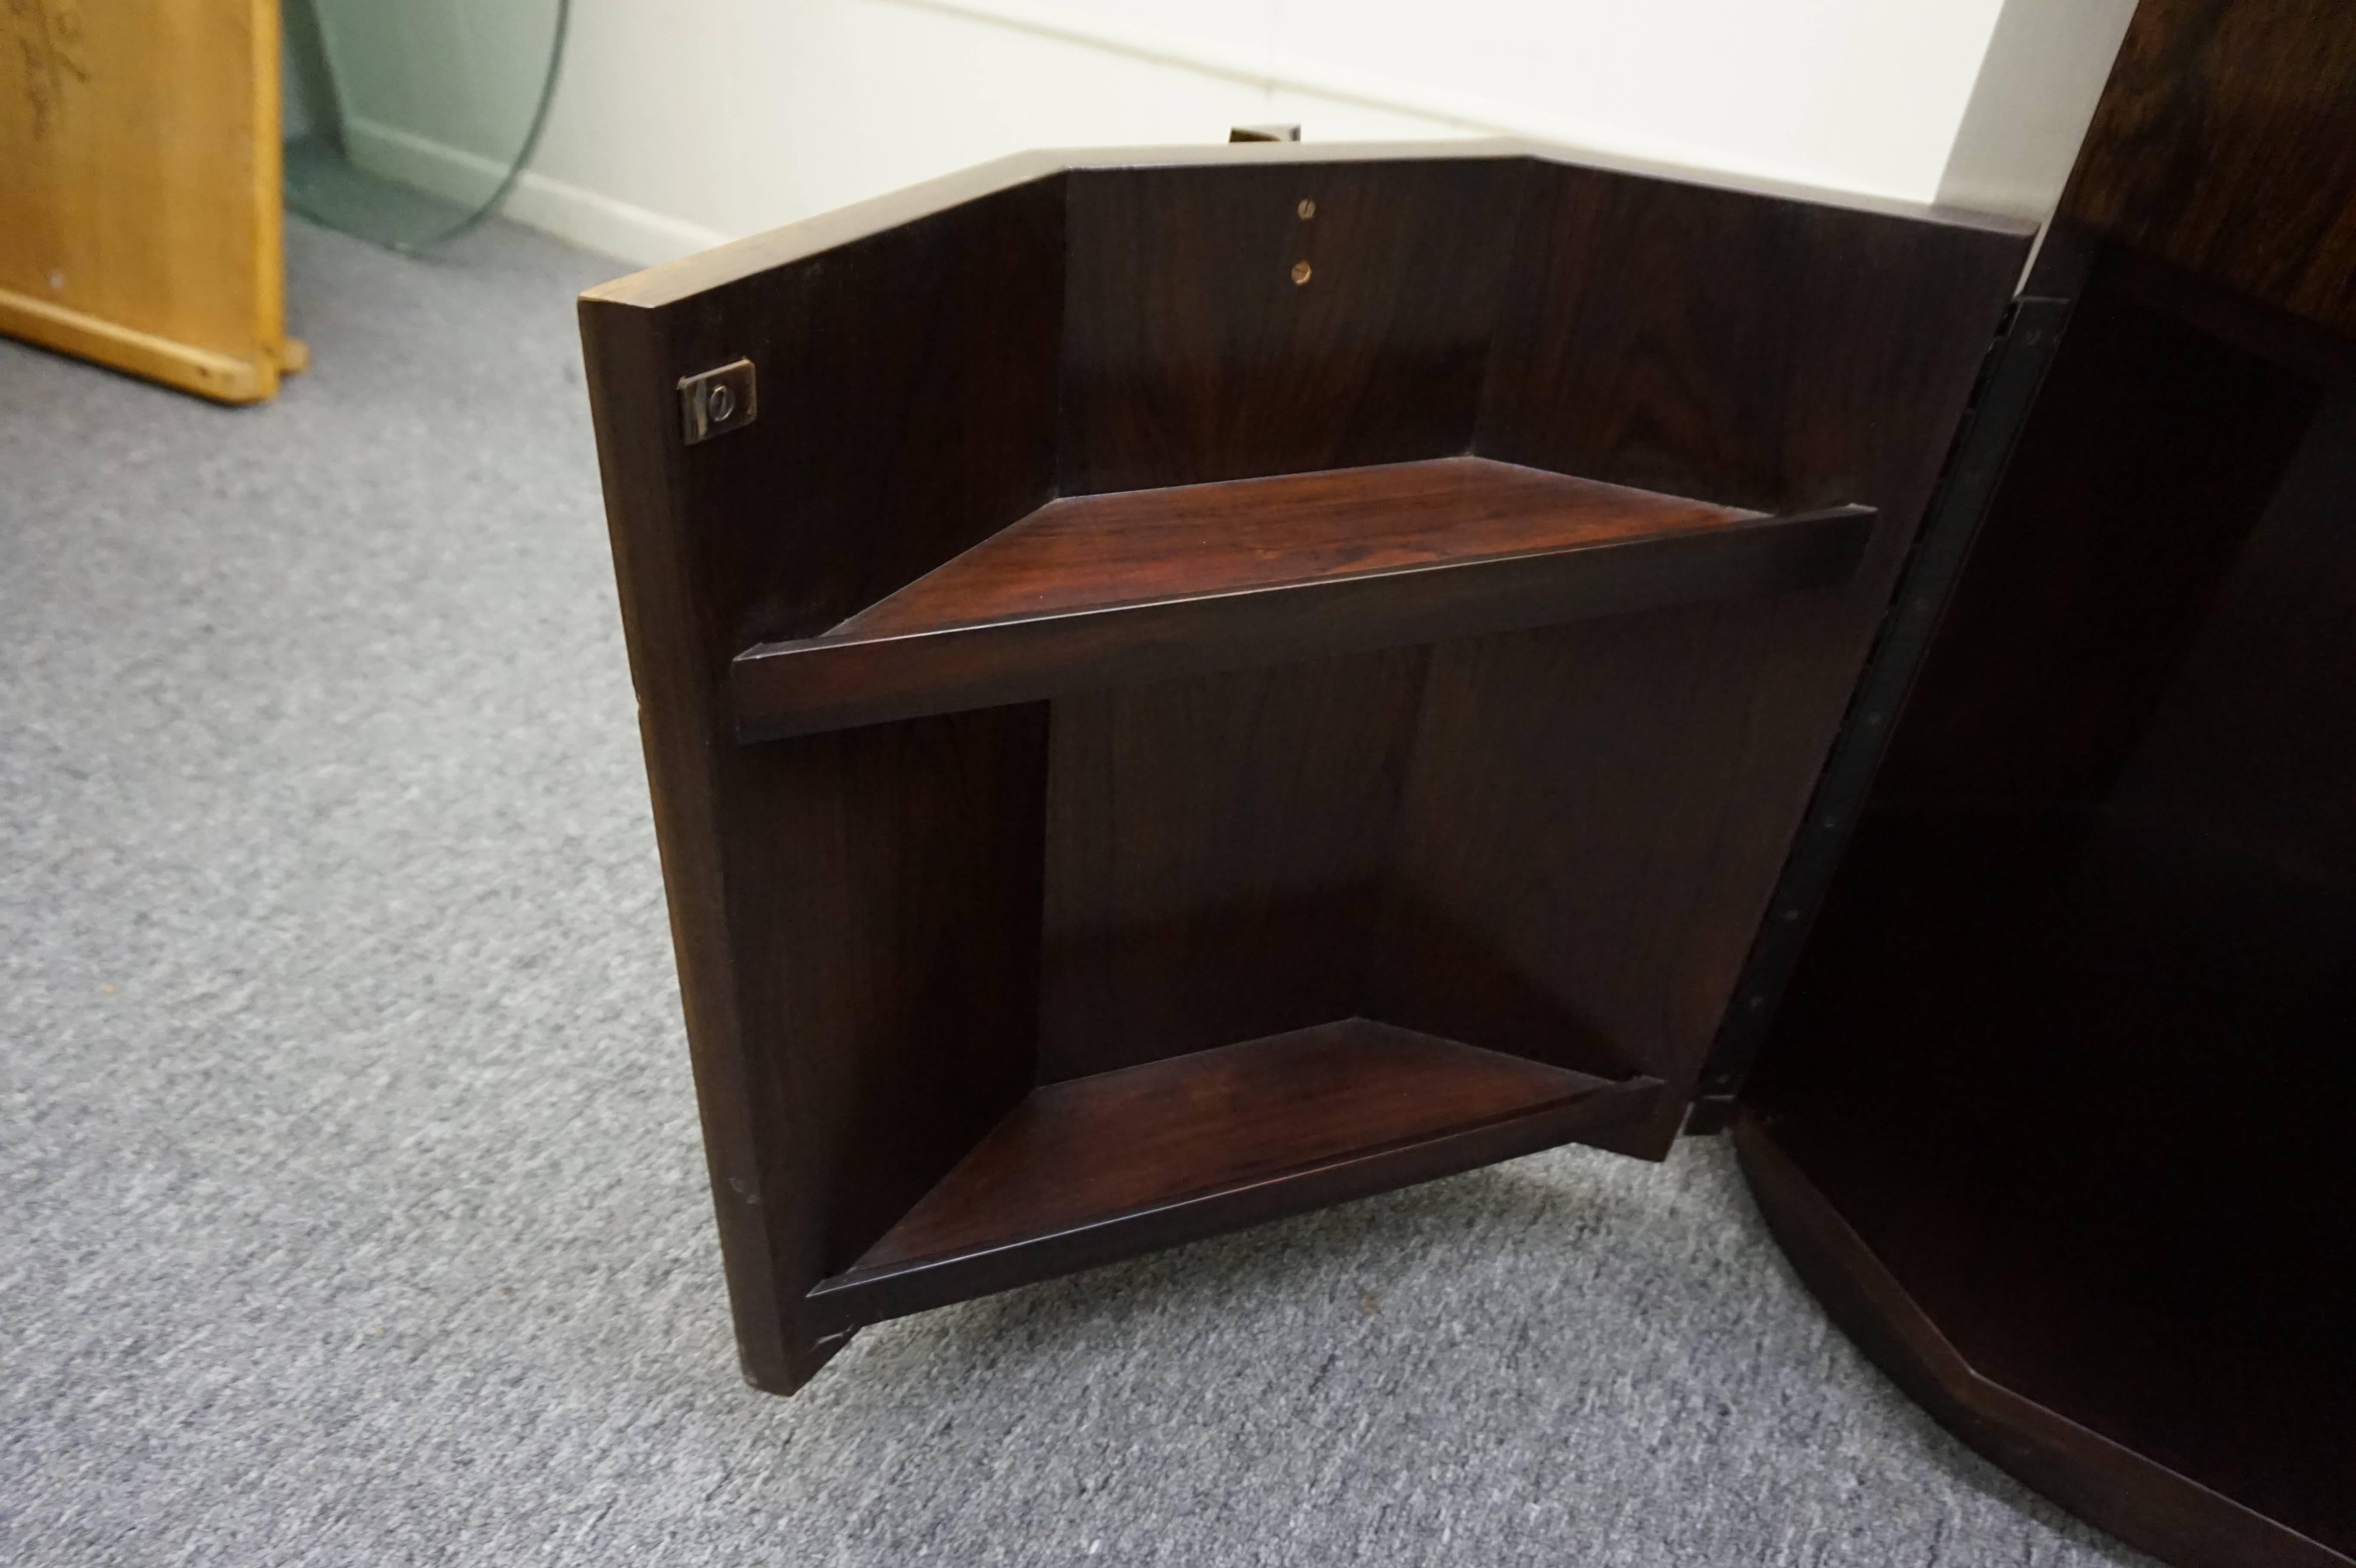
717, 401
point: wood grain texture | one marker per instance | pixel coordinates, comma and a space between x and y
1182, 542
630, 384
1191, 354
1145, 585
1216, 851
2225, 142
2065, 1053
781, 689
1243, 807
139, 173
908, 394
1096, 1167
2128, 1493
1592, 826
934, 339
1599, 811
1829, 333
896, 872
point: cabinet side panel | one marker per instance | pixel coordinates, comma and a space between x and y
1225, 322
1593, 824
1598, 812
906, 392
681, 729
907, 387
888, 901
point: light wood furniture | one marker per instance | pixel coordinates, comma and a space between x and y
139, 189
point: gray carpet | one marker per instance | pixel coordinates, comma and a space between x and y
352, 1206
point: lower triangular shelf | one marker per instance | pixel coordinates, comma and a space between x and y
1096, 1168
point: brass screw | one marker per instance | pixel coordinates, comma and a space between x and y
1308, 209
1300, 271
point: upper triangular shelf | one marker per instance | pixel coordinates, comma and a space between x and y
1093, 590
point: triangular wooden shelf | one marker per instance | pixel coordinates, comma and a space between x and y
1102, 1166
1096, 590
1207, 682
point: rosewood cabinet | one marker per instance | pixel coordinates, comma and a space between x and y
2055, 1111
1183, 686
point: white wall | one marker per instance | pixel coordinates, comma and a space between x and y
2044, 71
678, 123
438, 92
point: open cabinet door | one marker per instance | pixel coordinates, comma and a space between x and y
2054, 1113
1181, 687
139, 189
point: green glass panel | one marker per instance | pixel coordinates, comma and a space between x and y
407, 121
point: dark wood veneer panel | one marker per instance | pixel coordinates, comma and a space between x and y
2131, 1493
908, 387
1190, 354
1591, 824
1840, 345
899, 868
876, 361
1598, 810
1216, 848
922, 893
1122, 1161
2226, 142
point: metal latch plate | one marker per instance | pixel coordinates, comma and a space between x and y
718, 401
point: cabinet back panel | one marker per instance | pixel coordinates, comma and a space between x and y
1215, 851
1192, 354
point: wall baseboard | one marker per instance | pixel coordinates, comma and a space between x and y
207, 371
576, 214
603, 223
